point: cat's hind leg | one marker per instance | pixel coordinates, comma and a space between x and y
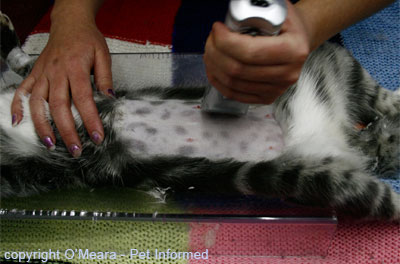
325, 181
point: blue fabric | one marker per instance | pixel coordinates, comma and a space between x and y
375, 43
394, 183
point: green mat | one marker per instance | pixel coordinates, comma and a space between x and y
31, 235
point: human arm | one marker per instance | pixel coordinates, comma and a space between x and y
259, 69
323, 19
62, 71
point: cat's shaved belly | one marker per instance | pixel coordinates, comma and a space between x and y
175, 127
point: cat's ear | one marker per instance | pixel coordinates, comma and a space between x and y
10, 49
9, 39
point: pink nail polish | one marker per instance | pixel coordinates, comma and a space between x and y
75, 150
48, 142
14, 120
111, 92
96, 137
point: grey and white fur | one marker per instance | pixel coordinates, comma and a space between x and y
157, 137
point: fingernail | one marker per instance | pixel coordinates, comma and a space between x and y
14, 120
111, 92
48, 142
75, 150
96, 137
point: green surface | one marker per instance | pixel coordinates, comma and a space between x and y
114, 200
99, 236
32, 235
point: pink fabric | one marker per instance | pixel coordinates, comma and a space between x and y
361, 242
277, 239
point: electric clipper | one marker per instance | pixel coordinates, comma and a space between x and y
254, 17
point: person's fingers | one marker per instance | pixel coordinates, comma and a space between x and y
16, 104
257, 50
102, 73
37, 102
82, 96
256, 69
60, 108
285, 74
242, 96
252, 88
247, 87
25, 88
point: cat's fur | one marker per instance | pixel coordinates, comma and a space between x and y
326, 161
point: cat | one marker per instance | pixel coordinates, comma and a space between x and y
158, 137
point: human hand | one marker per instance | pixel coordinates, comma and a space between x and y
256, 69
62, 71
